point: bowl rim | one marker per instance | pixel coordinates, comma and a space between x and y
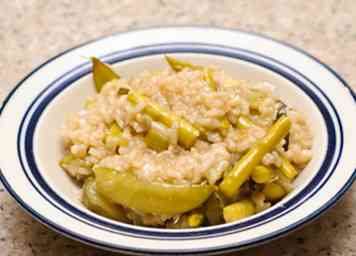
28, 208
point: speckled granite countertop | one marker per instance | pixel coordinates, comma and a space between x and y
34, 30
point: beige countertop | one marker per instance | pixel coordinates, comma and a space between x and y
34, 30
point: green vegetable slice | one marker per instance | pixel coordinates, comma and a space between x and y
125, 189
187, 133
96, 203
102, 73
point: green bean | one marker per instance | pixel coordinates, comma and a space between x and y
96, 203
154, 139
70, 159
243, 122
209, 78
187, 133
239, 210
102, 73
67, 159
179, 65
243, 168
114, 138
288, 169
153, 110
127, 190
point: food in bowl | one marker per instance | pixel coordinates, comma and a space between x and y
184, 147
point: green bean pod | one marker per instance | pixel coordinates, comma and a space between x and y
96, 203
127, 190
102, 73
156, 140
243, 122
179, 65
114, 138
288, 169
243, 168
187, 133
209, 78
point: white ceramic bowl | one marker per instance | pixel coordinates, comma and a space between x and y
34, 111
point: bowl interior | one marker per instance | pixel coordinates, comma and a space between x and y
48, 148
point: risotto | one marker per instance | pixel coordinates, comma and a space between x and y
183, 147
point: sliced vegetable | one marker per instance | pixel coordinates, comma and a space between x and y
214, 209
115, 138
67, 159
187, 133
70, 159
155, 140
262, 174
153, 110
243, 168
115, 130
102, 73
179, 65
125, 189
89, 104
96, 203
288, 169
239, 210
225, 124
243, 122
209, 78
273, 191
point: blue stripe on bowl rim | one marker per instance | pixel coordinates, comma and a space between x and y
234, 247
66, 80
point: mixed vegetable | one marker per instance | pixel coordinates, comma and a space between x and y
247, 187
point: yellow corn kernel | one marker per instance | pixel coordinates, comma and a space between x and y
273, 191
262, 174
239, 210
195, 220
